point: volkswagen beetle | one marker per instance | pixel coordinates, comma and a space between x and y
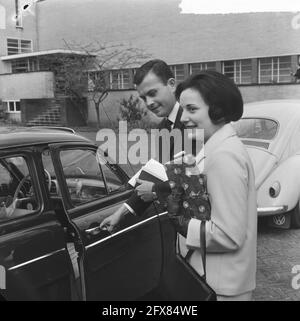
271, 132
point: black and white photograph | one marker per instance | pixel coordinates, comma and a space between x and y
149, 153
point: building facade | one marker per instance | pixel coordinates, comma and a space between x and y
29, 87
259, 51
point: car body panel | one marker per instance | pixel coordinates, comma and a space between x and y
288, 174
275, 159
263, 163
125, 265
37, 263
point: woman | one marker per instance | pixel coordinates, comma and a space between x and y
210, 101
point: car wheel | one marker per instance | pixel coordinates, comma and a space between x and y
295, 216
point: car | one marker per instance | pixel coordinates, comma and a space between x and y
56, 187
270, 131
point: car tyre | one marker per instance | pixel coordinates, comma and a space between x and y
295, 216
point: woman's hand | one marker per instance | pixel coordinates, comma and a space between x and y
180, 223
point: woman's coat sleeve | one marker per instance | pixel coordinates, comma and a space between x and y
227, 183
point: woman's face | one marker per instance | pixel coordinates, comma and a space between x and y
195, 115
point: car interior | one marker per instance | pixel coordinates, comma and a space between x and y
17, 196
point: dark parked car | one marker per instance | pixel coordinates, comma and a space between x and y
54, 192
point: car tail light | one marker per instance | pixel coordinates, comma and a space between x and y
274, 190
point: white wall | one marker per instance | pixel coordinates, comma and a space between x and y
2, 17
27, 85
9, 30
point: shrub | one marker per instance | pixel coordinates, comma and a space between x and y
132, 112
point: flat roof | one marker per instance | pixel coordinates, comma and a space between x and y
46, 53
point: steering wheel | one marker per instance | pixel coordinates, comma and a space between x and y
12, 206
18, 190
23, 180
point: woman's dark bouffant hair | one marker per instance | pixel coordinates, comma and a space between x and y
220, 93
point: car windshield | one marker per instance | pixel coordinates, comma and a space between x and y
256, 128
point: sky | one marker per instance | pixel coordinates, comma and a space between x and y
238, 6
2, 17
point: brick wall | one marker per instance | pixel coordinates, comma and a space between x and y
31, 108
70, 115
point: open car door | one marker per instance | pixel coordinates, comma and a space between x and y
124, 265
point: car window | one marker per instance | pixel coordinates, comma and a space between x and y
17, 193
257, 128
83, 175
113, 181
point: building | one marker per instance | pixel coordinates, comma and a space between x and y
30, 87
259, 51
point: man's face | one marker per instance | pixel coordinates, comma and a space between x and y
158, 97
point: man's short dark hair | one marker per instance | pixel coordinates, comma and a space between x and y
158, 67
219, 92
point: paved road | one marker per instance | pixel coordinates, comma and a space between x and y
278, 252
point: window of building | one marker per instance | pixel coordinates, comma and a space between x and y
238, 70
25, 65
13, 106
19, 14
195, 68
178, 71
18, 46
19, 65
275, 69
120, 79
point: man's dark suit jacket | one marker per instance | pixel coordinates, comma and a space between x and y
177, 125
135, 202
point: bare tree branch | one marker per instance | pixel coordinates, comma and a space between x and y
88, 74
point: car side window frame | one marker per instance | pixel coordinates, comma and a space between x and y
263, 118
110, 167
81, 209
26, 154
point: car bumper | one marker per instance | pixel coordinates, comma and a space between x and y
272, 210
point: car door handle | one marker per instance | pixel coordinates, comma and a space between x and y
96, 231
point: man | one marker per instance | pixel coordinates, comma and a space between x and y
297, 74
156, 86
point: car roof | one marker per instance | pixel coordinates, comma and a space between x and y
282, 110
17, 136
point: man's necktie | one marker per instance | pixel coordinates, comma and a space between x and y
168, 124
